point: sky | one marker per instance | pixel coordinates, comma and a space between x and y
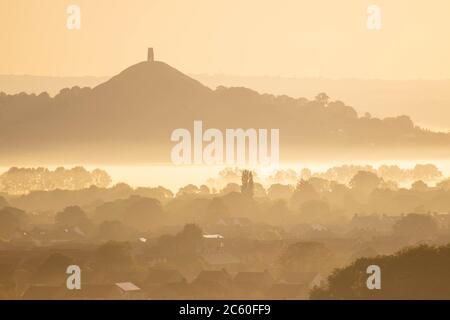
288, 38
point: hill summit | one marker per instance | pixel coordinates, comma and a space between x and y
130, 118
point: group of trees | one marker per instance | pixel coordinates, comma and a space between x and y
187, 242
428, 173
308, 257
121, 210
421, 272
137, 212
12, 220
24, 180
345, 127
316, 206
343, 174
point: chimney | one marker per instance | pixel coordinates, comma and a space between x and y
150, 55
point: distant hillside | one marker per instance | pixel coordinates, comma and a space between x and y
427, 102
130, 117
13, 84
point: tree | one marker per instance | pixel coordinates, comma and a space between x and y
278, 213
417, 225
322, 98
23, 180
392, 173
191, 238
80, 178
259, 191
315, 211
113, 256
412, 274
304, 191
306, 257
444, 185
71, 217
247, 187
204, 190
12, 220
419, 186
100, 178
305, 174
143, 213
158, 193
55, 265
230, 187
190, 189
3, 202
216, 210
113, 230
365, 182
426, 172
280, 191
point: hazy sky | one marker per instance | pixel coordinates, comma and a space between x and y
253, 37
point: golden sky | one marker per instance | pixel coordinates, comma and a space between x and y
314, 38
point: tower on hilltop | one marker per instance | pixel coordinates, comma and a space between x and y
150, 55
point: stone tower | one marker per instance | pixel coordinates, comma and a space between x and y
150, 55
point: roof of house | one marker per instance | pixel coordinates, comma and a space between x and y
287, 291
235, 221
127, 286
213, 276
94, 292
213, 236
42, 292
208, 290
161, 276
175, 290
255, 278
220, 258
304, 278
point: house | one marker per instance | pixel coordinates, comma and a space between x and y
307, 279
213, 236
158, 277
220, 260
213, 243
164, 284
171, 291
251, 285
254, 279
294, 286
43, 292
235, 221
94, 292
211, 285
221, 277
287, 291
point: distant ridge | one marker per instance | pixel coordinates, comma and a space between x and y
130, 117
381, 98
14, 84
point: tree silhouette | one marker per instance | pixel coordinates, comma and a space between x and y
416, 273
306, 257
419, 225
247, 187
322, 98
12, 220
